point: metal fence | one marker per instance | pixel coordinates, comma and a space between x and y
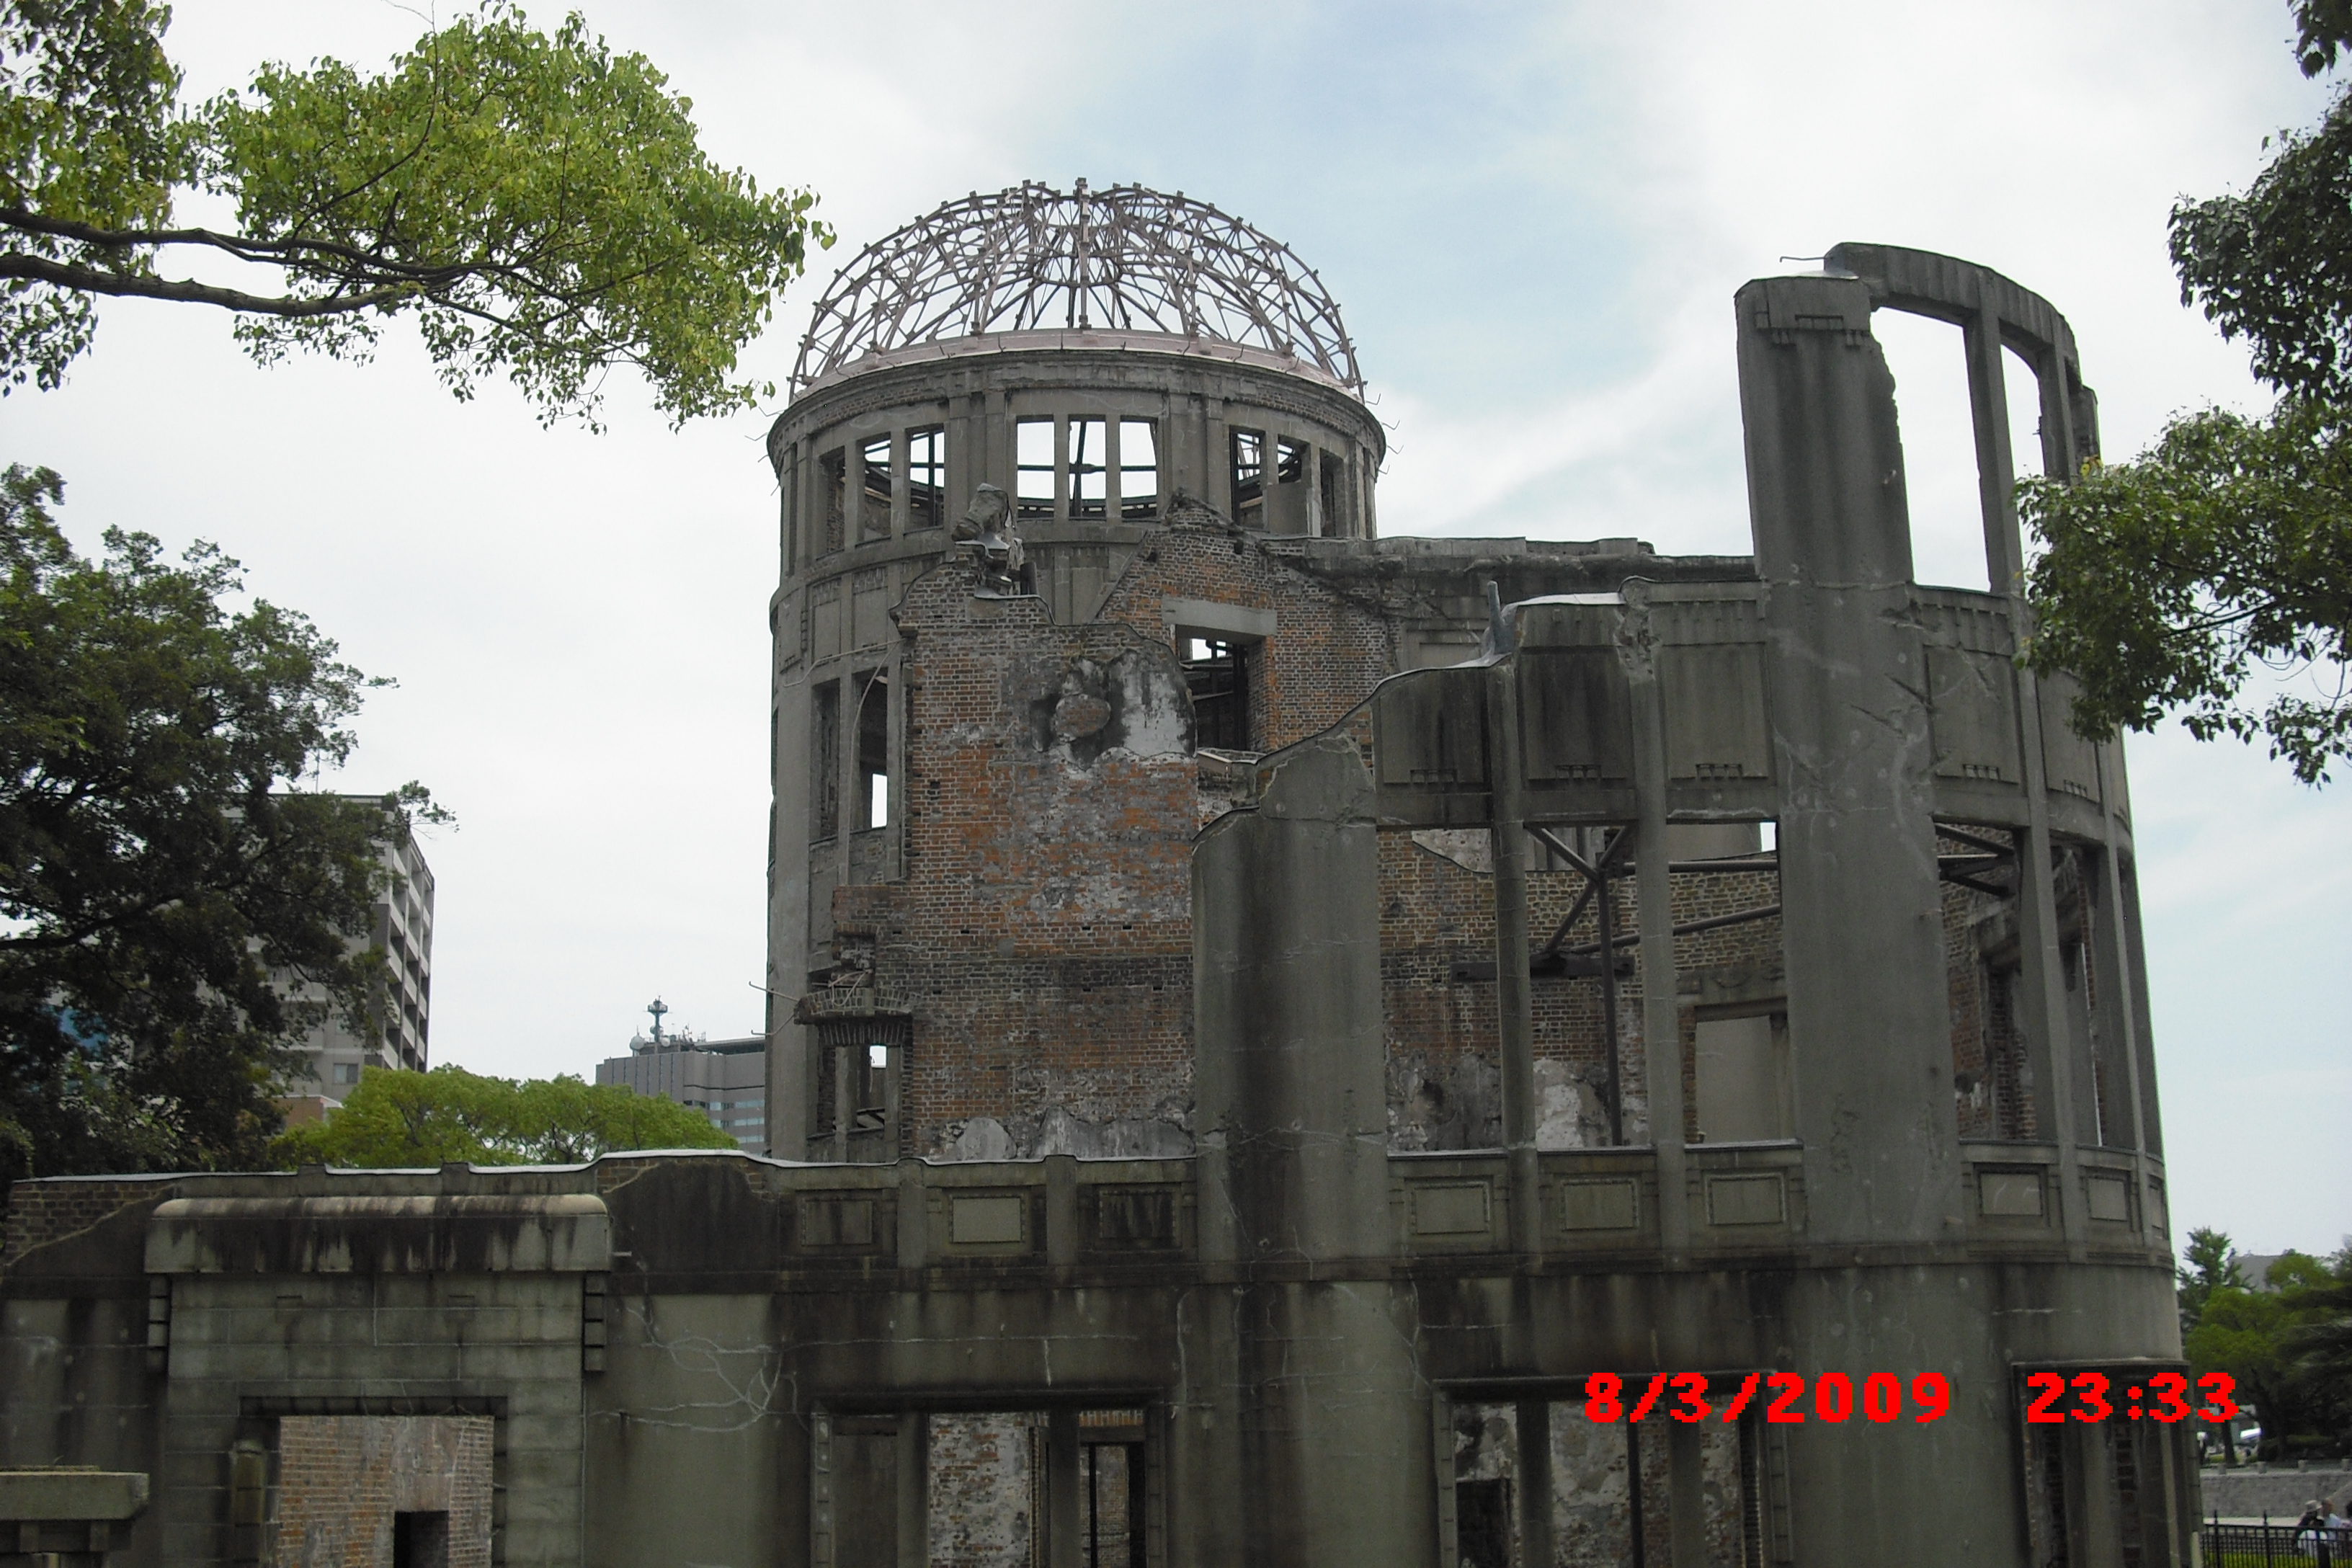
2246, 1545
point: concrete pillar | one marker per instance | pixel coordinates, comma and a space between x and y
1662, 1020
1514, 991
1286, 961
1868, 1018
914, 1476
1533, 1468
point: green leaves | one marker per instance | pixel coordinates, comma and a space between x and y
2168, 580
538, 204
2285, 1338
175, 908
397, 1119
2273, 267
2222, 558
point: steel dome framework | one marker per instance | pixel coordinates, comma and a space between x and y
1033, 258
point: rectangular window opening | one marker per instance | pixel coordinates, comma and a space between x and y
824, 759
832, 482
1033, 464
1290, 465
874, 503
1929, 361
1138, 469
1249, 477
2027, 454
1740, 1084
927, 476
1216, 674
1608, 1494
1992, 1080
874, 750
1089, 473
1329, 479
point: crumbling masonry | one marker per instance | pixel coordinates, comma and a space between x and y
1264, 1012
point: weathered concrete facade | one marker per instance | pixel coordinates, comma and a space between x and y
1197, 1155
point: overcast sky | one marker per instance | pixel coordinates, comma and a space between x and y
1534, 218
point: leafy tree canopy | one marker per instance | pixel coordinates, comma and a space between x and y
396, 1119
2284, 1338
175, 909
2170, 583
2207, 1265
537, 204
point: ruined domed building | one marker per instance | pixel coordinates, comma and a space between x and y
1285, 1042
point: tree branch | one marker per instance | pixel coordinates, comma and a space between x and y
96, 280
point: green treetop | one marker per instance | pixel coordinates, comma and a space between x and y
2174, 582
396, 1119
537, 204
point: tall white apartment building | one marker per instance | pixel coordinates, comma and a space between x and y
402, 932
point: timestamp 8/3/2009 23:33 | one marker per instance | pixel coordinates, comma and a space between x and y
1880, 1397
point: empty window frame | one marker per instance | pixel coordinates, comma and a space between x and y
1217, 675
1740, 1068
874, 750
1035, 451
927, 476
1607, 1495
824, 759
1249, 477
1089, 481
833, 500
874, 498
1138, 469
1331, 484
1287, 510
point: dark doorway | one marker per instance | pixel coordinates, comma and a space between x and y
1482, 1523
1112, 1477
420, 1540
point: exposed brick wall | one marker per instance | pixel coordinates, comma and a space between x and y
1327, 651
40, 1213
1042, 934
342, 1478
985, 1490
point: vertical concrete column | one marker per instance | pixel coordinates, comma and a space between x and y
1514, 991
994, 459
1686, 1500
914, 1215
1996, 465
914, 1475
1289, 1078
1534, 1471
1066, 1536
1061, 1210
1662, 1021
1862, 929
842, 1108
901, 496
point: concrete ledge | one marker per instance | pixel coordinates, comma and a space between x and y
467, 1233
71, 1495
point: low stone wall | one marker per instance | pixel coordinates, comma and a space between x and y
2248, 1492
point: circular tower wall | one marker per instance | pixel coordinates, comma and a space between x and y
1097, 356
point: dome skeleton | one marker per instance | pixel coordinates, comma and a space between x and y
1031, 258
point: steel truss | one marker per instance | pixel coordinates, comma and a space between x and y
1033, 258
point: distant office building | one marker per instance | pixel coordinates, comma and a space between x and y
727, 1080
402, 932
